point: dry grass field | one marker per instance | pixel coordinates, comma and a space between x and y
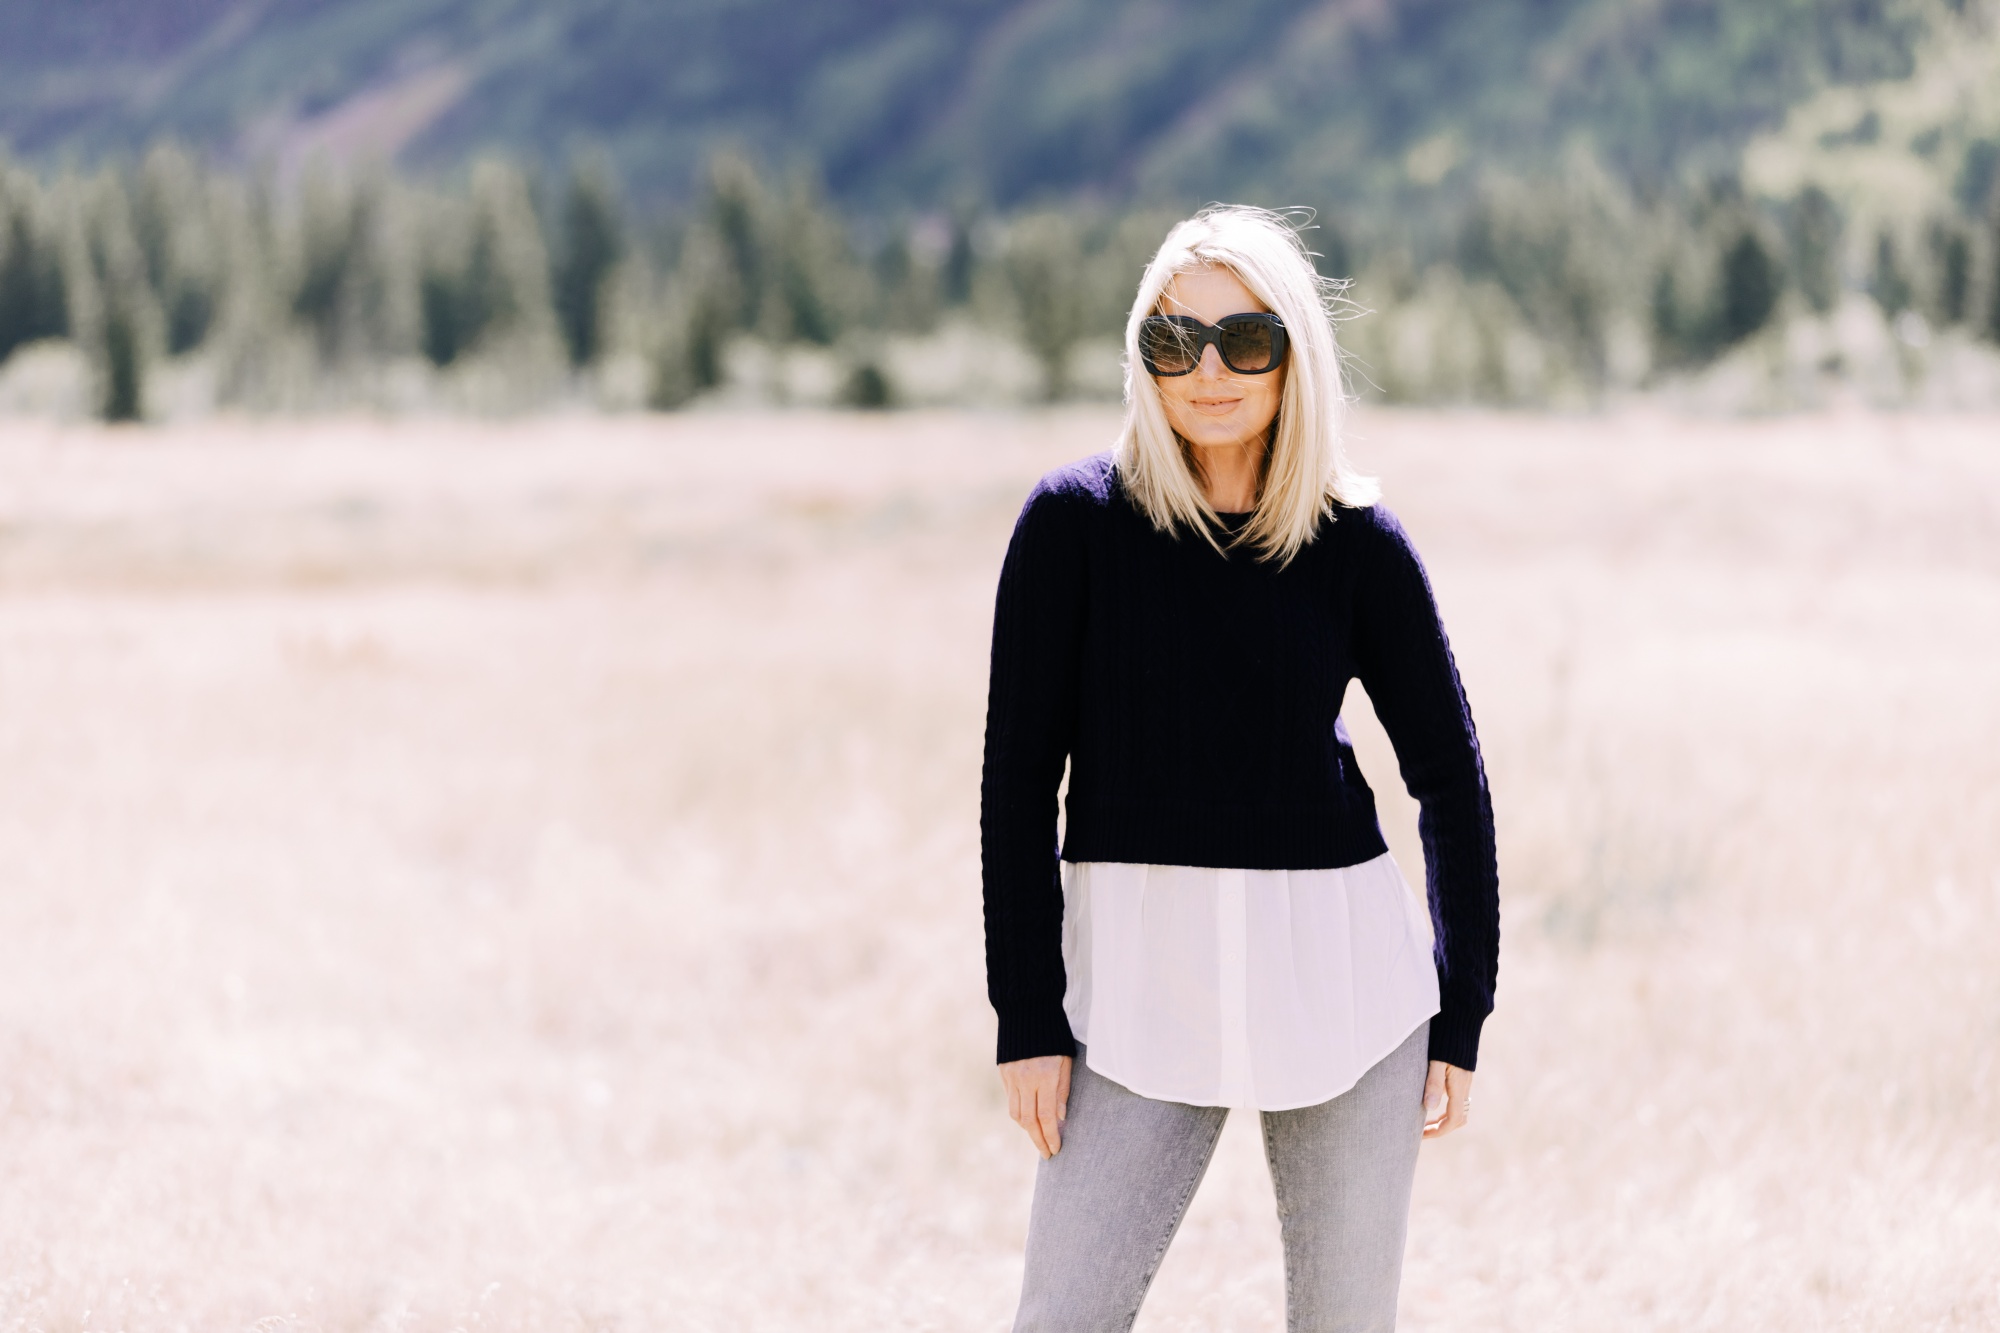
524, 877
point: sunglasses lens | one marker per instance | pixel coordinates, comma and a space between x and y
1247, 346
1168, 348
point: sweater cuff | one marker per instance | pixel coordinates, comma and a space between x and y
1026, 1035
1455, 1037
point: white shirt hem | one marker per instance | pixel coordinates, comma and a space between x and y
1348, 1086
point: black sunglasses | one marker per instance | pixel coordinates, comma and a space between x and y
1252, 344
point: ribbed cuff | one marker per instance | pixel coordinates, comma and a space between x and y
1455, 1036
1024, 1035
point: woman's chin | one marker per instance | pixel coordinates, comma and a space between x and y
1208, 434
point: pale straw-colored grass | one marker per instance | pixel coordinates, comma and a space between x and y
525, 877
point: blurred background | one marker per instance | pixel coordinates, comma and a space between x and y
499, 511
474, 204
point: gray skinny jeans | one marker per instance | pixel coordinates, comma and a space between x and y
1107, 1205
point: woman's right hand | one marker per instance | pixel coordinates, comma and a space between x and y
1038, 1098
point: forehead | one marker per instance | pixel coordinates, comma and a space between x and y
1208, 294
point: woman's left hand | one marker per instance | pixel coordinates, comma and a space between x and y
1447, 1099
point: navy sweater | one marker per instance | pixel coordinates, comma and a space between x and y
1196, 699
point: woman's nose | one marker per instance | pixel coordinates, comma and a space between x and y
1211, 364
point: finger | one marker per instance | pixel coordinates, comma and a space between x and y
1434, 1093
1460, 1083
1062, 1089
1051, 1122
1031, 1120
1013, 1098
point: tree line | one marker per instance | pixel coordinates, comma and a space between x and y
515, 290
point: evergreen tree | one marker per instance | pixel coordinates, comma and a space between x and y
1669, 320
810, 297
121, 365
960, 259
906, 284
592, 244
1043, 263
1562, 253
1993, 274
33, 300
1951, 252
708, 331
702, 307
736, 208
461, 301
485, 270
893, 264
190, 311
1750, 286
177, 237
1814, 226
337, 229
439, 299
1116, 253
1887, 282
171, 257
688, 358
119, 320
1717, 283
1978, 184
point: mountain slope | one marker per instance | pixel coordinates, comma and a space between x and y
897, 101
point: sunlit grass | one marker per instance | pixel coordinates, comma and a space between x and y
527, 875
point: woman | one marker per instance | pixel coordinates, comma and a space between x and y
1178, 621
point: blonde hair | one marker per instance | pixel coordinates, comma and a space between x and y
1306, 472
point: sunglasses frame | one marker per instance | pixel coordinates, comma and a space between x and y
1202, 335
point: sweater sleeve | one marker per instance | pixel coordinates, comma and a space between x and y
1031, 711
1404, 661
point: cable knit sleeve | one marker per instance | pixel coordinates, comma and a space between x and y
1405, 663
1031, 712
